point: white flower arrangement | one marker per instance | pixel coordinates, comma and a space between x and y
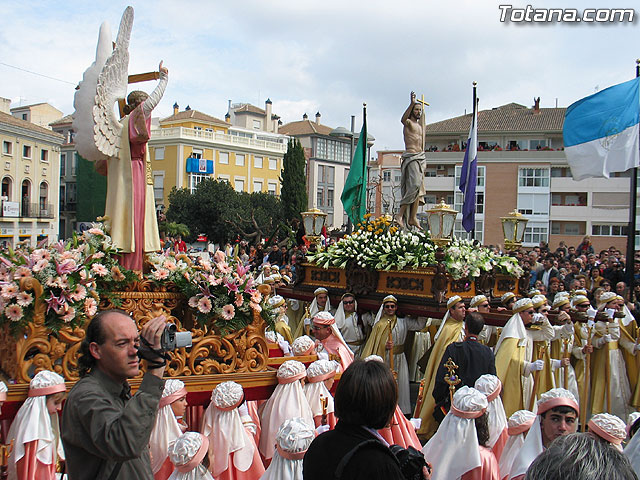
464, 258
378, 245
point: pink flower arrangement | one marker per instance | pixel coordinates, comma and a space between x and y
228, 312
255, 306
117, 274
239, 300
171, 266
22, 272
256, 297
13, 312
24, 299
161, 274
69, 315
218, 292
9, 291
204, 305
90, 307
99, 269
66, 266
40, 265
78, 294
73, 276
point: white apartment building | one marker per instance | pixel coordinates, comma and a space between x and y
522, 166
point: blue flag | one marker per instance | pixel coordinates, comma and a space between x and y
469, 174
601, 131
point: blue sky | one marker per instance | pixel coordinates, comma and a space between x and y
328, 56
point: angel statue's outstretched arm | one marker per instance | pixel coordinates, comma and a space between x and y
155, 96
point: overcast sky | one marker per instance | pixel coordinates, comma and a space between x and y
328, 56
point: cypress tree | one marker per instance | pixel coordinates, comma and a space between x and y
293, 192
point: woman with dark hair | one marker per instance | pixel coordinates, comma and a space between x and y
595, 278
365, 400
482, 430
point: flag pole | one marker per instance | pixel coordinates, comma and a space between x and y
473, 119
631, 229
365, 181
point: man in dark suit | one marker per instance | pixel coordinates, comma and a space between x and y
472, 358
548, 272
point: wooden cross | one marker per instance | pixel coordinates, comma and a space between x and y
137, 78
424, 125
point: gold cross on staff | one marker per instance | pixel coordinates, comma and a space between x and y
421, 100
451, 378
424, 124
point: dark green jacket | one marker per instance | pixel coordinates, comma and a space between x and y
102, 424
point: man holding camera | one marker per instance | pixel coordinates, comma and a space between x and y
105, 430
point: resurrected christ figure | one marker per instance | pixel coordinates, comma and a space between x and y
412, 168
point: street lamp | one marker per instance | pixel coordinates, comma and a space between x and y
513, 227
441, 219
313, 221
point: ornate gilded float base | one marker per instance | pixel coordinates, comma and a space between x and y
39, 348
324, 277
505, 284
431, 282
414, 283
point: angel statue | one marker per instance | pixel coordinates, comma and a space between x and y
118, 146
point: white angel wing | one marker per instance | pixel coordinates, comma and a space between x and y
112, 86
85, 98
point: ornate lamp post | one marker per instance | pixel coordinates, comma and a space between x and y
513, 227
441, 220
313, 221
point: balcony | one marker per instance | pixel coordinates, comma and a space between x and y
222, 139
439, 184
69, 206
35, 210
585, 213
568, 184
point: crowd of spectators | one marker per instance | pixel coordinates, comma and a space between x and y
570, 268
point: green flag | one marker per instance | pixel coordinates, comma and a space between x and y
354, 195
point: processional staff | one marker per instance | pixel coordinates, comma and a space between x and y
420, 399
307, 316
5, 451
586, 390
567, 354
323, 402
390, 341
451, 378
536, 376
607, 371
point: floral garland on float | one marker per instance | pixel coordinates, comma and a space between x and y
379, 245
75, 275
220, 293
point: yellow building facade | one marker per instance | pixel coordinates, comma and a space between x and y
190, 146
29, 182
